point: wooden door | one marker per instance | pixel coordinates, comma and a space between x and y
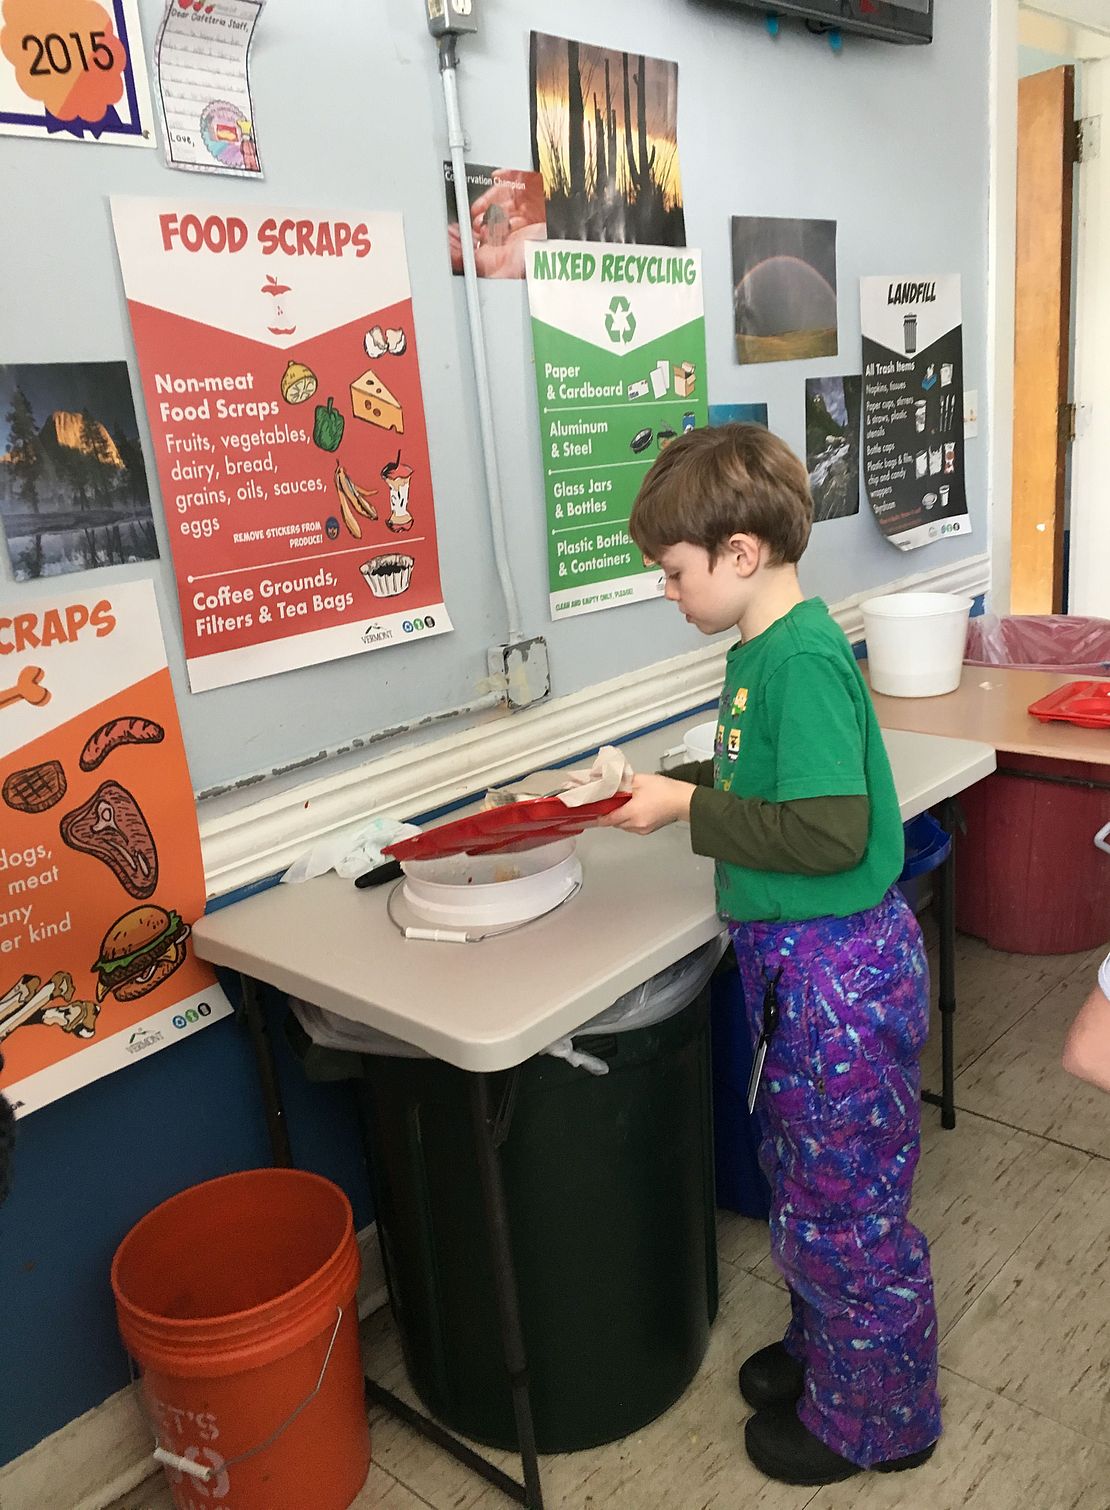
1046, 159
1089, 592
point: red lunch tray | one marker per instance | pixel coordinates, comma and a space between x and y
1083, 703
519, 825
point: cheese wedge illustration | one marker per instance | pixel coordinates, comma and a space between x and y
372, 401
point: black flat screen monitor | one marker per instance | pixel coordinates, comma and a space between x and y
888, 20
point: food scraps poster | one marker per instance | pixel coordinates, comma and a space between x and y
279, 366
74, 70
100, 866
913, 408
619, 337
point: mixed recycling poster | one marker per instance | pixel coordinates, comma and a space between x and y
913, 408
73, 70
278, 360
100, 865
619, 337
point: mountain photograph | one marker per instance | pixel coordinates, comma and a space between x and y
73, 484
833, 412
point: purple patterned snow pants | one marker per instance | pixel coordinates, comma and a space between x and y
841, 1104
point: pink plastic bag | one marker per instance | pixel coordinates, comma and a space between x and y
1052, 642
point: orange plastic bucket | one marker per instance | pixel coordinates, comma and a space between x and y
237, 1298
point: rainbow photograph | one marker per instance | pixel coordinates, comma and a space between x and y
783, 288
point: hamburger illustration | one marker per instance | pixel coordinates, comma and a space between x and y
140, 950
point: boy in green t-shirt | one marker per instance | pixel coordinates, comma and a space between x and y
798, 809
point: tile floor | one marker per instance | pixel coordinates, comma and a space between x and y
1016, 1204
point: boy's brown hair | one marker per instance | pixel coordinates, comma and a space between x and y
730, 479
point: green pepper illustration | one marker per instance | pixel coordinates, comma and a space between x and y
327, 432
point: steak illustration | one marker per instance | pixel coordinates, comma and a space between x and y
110, 826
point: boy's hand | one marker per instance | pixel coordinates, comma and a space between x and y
655, 802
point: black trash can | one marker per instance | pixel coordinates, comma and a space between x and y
609, 1186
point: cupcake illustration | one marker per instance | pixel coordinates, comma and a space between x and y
388, 576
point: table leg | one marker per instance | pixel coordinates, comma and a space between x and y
946, 883
946, 907
504, 1278
266, 1064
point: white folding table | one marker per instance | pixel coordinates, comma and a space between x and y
487, 1007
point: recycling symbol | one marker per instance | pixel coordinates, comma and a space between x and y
620, 322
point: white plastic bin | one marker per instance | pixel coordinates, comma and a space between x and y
915, 642
697, 744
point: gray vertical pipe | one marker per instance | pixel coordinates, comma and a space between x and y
456, 138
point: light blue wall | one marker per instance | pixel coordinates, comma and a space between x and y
891, 142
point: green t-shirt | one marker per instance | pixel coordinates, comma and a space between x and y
796, 721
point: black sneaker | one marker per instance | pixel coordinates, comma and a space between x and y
785, 1450
771, 1377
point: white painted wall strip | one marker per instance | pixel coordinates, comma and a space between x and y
245, 842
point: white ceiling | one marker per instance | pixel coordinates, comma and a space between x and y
1094, 15
1062, 38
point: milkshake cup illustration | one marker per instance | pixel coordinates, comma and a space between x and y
946, 374
944, 490
909, 330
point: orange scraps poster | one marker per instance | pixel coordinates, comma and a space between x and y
100, 866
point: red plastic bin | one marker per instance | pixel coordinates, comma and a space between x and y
1030, 878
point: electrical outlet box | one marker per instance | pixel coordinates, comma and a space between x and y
524, 666
971, 413
452, 17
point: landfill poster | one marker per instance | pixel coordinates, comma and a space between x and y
279, 368
73, 70
100, 866
913, 406
202, 61
619, 337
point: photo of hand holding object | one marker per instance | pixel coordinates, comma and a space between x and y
499, 228
28, 688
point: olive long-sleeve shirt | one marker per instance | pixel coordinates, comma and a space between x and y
812, 836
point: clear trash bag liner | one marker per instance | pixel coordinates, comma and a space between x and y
1048, 642
653, 1002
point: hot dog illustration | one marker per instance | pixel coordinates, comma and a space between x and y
110, 826
116, 732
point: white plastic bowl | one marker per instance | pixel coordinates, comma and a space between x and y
468, 891
915, 642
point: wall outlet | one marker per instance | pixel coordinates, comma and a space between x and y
971, 413
524, 666
451, 17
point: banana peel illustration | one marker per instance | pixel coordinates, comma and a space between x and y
353, 501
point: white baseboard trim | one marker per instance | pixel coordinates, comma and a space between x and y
88, 1465
244, 842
